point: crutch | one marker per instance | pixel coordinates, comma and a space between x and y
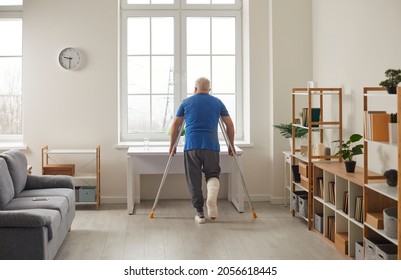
222, 127
170, 157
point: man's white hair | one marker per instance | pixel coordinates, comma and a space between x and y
202, 83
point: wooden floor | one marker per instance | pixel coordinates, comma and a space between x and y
110, 233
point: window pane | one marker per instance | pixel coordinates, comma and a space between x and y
163, 113
138, 114
150, 1
163, 74
223, 1
138, 1
223, 69
198, 35
162, 1
138, 74
12, 30
229, 101
198, 1
138, 36
223, 35
10, 2
10, 96
163, 35
197, 66
212, 1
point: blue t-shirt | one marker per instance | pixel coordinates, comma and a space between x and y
201, 113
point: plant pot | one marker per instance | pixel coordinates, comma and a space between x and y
350, 166
391, 90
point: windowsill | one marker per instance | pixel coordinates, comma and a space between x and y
126, 145
12, 145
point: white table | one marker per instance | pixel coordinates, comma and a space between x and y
153, 160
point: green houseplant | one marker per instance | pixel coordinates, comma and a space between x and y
348, 150
286, 130
393, 78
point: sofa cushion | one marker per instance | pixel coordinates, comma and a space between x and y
6, 185
67, 193
58, 203
17, 166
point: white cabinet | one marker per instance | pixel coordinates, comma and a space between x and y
86, 170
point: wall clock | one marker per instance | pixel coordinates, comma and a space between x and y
69, 58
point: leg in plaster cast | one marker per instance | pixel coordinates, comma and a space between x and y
213, 186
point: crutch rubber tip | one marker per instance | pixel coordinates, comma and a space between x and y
151, 215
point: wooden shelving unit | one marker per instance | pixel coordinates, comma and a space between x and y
87, 170
377, 194
314, 99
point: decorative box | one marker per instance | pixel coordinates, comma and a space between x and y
59, 169
87, 194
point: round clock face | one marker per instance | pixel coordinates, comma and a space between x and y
69, 58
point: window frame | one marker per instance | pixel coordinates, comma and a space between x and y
13, 13
179, 10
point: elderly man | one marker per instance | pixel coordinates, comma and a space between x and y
201, 113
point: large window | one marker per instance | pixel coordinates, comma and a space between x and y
165, 49
10, 80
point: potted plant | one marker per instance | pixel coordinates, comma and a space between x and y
286, 131
349, 149
393, 78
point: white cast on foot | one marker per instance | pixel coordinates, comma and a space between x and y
213, 186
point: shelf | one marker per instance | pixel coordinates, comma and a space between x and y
87, 172
377, 194
315, 123
69, 151
384, 189
381, 232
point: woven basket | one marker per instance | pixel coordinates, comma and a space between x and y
390, 222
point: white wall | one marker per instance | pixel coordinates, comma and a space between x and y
69, 109
291, 66
354, 42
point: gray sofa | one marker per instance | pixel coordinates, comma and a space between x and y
36, 212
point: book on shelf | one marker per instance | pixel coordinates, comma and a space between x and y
332, 195
359, 208
319, 187
376, 125
345, 202
330, 228
315, 112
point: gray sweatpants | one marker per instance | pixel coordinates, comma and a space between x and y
197, 162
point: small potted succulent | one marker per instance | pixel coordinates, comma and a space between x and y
393, 78
349, 149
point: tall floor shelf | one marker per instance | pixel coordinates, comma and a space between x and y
87, 170
312, 99
377, 194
